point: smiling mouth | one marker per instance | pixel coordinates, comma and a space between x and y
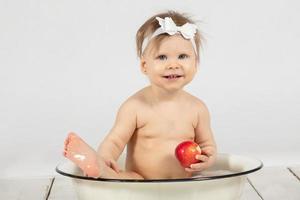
173, 76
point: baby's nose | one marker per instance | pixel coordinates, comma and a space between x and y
173, 66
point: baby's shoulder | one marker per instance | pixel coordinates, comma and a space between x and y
136, 101
141, 97
195, 102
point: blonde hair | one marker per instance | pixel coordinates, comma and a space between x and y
152, 24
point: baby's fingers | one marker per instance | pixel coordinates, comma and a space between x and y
208, 151
202, 158
196, 167
114, 166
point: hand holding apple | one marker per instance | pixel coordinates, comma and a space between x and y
186, 153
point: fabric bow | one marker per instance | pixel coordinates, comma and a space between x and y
168, 26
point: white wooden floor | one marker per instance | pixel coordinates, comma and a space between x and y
269, 183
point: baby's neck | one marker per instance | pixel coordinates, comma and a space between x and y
159, 95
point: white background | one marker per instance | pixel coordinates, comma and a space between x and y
68, 65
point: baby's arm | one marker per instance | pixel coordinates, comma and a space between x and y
204, 137
124, 127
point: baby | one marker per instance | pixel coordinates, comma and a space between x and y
153, 121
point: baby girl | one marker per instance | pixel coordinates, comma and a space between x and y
154, 120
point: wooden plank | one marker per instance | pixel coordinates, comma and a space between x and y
25, 188
249, 193
295, 170
275, 183
62, 189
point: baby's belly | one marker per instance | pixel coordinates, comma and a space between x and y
154, 158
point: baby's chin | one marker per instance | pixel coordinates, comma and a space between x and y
174, 89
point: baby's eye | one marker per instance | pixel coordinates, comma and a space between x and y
162, 57
183, 56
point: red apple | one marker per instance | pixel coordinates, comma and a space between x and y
186, 153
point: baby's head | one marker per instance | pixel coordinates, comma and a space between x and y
168, 47
148, 39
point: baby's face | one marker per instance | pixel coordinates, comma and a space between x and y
173, 65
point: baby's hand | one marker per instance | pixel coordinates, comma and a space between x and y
112, 164
206, 160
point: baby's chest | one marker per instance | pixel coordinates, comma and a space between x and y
167, 125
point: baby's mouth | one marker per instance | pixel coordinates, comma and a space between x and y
173, 76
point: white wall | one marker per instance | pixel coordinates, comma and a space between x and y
68, 65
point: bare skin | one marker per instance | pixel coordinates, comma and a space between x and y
82, 155
153, 122
92, 165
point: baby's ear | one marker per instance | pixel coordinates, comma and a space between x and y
143, 65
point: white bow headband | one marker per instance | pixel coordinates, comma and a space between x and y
167, 25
